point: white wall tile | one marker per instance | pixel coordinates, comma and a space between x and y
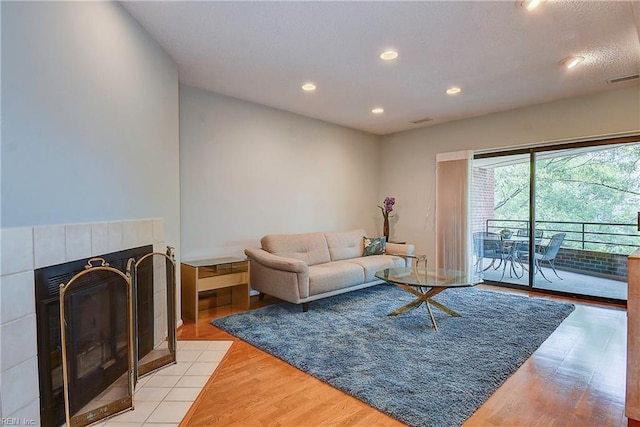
158, 230
78, 241
160, 330
159, 247
159, 303
99, 239
131, 234
18, 341
29, 415
17, 249
116, 236
146, 232
19, 386
17, 296
49, 245
159, 279
158, 264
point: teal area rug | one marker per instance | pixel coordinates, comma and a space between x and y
401, 365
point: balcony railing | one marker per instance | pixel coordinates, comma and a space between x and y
592, 236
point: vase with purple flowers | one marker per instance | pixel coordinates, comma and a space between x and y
387, 208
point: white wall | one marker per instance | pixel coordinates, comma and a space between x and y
414, 152
89, 118
249, 170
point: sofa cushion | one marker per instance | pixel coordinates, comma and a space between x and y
374, 263
374, 245
345, 244
334, 275
308, 247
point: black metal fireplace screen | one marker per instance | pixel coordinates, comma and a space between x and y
96, 332
158, 347
99, 329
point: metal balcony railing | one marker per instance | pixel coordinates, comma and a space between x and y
593, 236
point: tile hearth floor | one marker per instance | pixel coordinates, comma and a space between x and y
163, 398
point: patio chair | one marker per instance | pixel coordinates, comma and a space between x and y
488, 245
523, 247
548, 253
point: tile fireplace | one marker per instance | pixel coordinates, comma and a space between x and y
96, 316
26, 250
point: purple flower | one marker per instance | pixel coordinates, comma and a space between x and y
387, 206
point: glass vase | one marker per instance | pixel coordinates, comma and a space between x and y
385, 228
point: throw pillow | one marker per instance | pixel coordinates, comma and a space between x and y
374, 245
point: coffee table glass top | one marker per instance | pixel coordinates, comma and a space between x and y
431, 278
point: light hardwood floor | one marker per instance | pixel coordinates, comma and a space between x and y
576, 378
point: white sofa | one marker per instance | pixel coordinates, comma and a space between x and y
300, 268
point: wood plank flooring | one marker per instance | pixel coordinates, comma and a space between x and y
576, 378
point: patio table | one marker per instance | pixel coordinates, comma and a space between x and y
510, 247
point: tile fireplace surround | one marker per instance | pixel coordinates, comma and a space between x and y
25, 249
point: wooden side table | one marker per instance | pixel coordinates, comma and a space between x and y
214, 273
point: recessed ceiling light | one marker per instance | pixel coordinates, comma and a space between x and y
571, 61
308, 87
453, 90
529, 5
378, 110
389, 55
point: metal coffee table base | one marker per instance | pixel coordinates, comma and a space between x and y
424, 297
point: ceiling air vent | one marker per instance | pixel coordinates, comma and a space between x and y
425, 120
623, 79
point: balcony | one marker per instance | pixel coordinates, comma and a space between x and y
592, 260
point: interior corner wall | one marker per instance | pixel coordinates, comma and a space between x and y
89, 118
414, 152
248, 170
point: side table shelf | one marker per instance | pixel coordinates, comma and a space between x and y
210, 274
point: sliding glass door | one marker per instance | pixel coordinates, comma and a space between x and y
500, 205
586, 201
559, 219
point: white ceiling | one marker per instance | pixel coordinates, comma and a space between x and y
502, 56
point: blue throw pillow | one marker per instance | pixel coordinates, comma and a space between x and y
374, 245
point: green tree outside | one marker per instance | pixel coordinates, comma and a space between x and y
599, 185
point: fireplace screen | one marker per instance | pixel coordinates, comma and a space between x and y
96, 325
154, 284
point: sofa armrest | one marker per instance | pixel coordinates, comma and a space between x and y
276, 262
405, 251
399, 249
281, 277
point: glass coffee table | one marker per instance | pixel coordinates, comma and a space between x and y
425, 284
